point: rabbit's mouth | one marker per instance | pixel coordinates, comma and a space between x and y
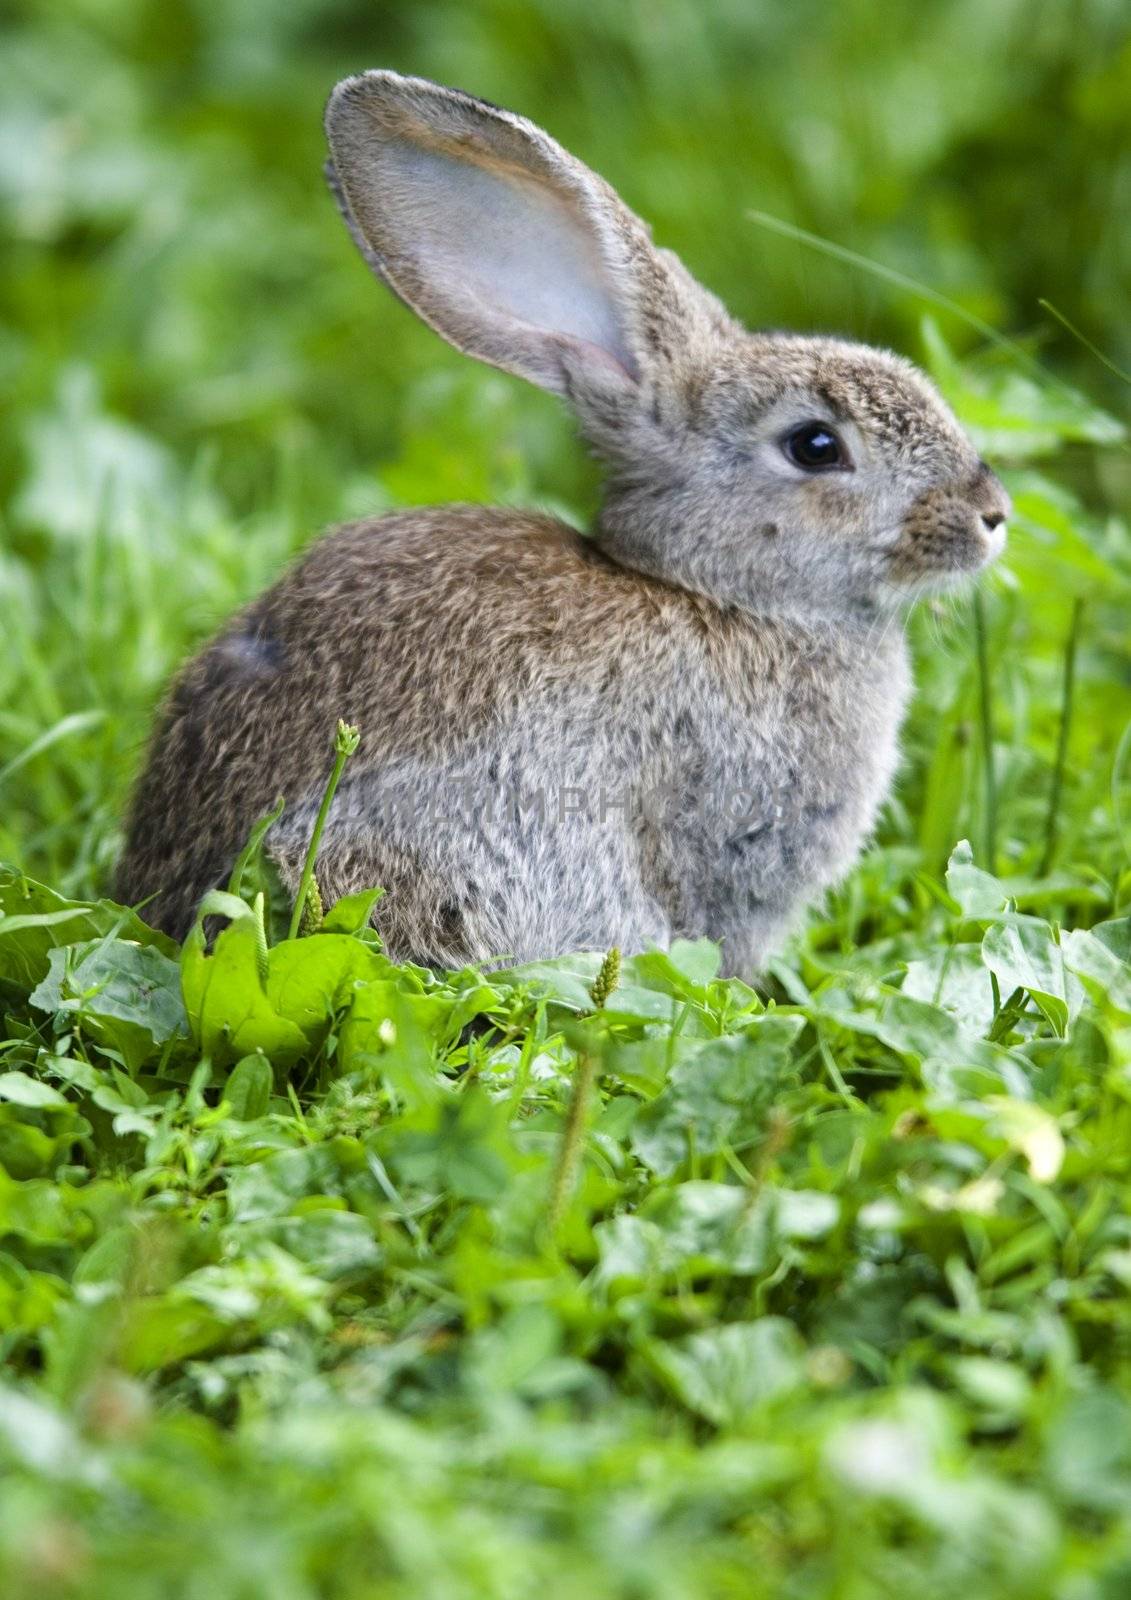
945, 556
949, 534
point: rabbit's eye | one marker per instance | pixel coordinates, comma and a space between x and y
815, 448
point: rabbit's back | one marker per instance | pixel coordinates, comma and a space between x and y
431, 630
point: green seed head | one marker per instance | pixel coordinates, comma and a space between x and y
607, 979
312, 912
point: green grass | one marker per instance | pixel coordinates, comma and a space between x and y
325, 1279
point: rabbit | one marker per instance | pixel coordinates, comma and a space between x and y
682, 724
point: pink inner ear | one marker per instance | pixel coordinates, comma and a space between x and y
501, 263
593, 357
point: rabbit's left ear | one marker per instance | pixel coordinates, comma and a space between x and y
497, 238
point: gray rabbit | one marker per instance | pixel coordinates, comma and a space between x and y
682, 725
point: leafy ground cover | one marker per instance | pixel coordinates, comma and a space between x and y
322, 1276
327, 1279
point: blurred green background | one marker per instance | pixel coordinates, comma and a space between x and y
160, 166
197, 371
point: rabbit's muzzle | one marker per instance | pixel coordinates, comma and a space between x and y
952, 529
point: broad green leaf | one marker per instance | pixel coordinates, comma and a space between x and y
391, 1031
1116, 935
508, 1357
1088, 1450
247, 1089
460, 1149
997, 1387
1023, 954
269, 1188
949, 1058
566, 982
228, 1010
39, 1211
726, 1374
719, 1093
979, 894
24, 1091
633, 1254
127, 995
651, 987
1092, 957
684, 969
308, 980
34, 919
351, 913
710, 1227
957, 980
161, 1331
332, 1244
698, 1228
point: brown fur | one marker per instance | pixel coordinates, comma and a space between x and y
352, 631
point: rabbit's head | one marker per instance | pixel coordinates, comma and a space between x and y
773, 471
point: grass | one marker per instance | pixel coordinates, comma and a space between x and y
332, 1278
329, 1279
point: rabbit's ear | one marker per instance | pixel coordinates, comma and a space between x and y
493, 234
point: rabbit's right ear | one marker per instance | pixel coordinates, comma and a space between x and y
495, 236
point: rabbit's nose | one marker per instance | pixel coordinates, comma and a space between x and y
995, 503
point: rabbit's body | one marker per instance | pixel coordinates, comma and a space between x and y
682, 726
604, 759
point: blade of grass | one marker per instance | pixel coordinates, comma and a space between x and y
1122, 751
65, 728
1052, 821
1092, 349
986, 735
900, 280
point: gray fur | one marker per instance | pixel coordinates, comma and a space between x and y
684, 725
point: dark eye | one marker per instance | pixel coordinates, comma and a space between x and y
815, 448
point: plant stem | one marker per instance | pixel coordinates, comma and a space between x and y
1052, 821
1121, 752
986, 729
346, 741
569, 1151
